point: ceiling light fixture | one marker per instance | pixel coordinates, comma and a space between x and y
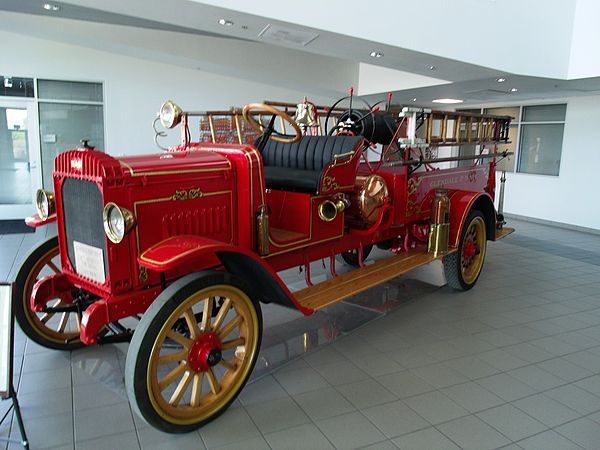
51, 7
447, 101
513, 90
225, 22
415, 99
376, 54
501, 80
432, 67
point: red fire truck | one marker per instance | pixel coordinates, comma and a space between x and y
190, 241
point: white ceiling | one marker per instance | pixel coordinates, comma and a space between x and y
473, 83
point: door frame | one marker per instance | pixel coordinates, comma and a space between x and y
20, 211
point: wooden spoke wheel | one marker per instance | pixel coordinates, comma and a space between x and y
350, 257
251, 109
181, 377
53, 330
463, 267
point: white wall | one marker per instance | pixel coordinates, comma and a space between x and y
135, 87
571, 197
375, 79
585, 57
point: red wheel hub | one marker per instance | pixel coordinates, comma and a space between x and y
469, 249
205, 352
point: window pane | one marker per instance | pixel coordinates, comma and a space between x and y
508, 163
15, 171
62, 127
16, 87
544, 113
540, 149
512, 111
69, 90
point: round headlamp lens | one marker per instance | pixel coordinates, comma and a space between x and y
44, 203
170, 114
117, 222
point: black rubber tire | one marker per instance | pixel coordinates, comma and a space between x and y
350, 257
452, 263
140, 349
20, 302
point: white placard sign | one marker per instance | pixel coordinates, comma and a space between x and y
89, 261
5, 339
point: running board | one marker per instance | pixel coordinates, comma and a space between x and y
343, 286
503, 232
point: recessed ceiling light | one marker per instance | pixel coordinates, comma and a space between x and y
432, 67
513, 90
447, 101
501, 80
225, 22
51, 7
415, 99
376, 54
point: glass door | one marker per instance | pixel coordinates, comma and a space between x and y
19, 158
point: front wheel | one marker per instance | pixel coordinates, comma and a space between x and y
181, 374
463, 267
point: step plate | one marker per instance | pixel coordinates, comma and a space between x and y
503, 232
336, 289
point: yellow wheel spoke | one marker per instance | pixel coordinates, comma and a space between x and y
225, 307
228, 365
206, 314
215, 387
192, 323
172, 376
233, 343
181, 388
180, 339
197, 389
230, 327
64, 320
173, 357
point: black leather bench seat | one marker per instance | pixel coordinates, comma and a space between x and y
298, 166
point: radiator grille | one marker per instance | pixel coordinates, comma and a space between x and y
82, 209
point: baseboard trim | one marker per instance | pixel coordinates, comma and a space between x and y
566, 226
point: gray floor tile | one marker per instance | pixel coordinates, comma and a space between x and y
395, 418
45, 403
255, 443
502, 360
472, 396
276, 415
591, 384
548, 440
435, 407
45, 380
564, 369
324, 403
511, 422
384, 445
297, 381
127, 441
96, 395
151, 439
235, 425
262, 390
366, 393
439, 375
342, 372
299, 438
114, 419
575, 398
429, 438
547, 410
506, 387
471, 367
49, 431
535, 377
350, 431
472, 433
404, 384
583, 432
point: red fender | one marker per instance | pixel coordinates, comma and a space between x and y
49, 287
37, 221
461, 202
177, 251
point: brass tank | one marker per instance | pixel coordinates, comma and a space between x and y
370, 192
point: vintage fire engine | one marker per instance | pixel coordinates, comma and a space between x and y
190, 241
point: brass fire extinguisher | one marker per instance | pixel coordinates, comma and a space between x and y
440, 224
262, 231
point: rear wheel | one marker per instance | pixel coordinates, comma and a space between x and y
180, 378
53, 330
463, 267
350, 257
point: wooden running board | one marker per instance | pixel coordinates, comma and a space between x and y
503, 232
343, 286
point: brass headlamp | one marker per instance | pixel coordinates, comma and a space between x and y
170, 114
117, 222
44, 203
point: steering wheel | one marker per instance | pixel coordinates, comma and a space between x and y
260, 128
351, 119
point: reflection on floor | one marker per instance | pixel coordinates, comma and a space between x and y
409, 364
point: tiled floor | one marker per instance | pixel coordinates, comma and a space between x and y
513, 363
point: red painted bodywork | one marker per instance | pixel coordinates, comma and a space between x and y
200, 199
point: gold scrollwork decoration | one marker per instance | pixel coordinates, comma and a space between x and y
143, 274
330, 184
189, 194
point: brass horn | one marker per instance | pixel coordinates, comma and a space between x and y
328, 210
